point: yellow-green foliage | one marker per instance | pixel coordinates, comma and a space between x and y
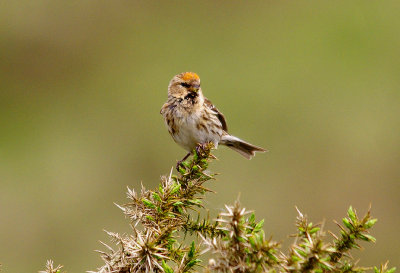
162, 218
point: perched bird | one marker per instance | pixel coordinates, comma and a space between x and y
192, 119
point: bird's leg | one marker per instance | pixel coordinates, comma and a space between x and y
180, 161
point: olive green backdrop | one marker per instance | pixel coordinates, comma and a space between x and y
82, 82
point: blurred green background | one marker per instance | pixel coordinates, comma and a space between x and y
82, 82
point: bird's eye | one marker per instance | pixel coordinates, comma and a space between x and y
184, 84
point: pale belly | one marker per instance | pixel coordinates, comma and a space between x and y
190, 133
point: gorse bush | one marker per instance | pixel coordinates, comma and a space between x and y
163, 219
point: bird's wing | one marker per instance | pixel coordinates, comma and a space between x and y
219, 114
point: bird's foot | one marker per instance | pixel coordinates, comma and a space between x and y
178, 164
203, 150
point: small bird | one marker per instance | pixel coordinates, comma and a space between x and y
192, 119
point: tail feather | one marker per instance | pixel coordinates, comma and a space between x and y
242, 147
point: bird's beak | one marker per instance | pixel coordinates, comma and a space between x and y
194, 88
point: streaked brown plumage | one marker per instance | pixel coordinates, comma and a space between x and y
192, 119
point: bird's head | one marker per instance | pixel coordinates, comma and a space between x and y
185, 86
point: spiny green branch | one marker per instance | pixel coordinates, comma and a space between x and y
162, 219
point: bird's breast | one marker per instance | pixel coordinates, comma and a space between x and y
194, 128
